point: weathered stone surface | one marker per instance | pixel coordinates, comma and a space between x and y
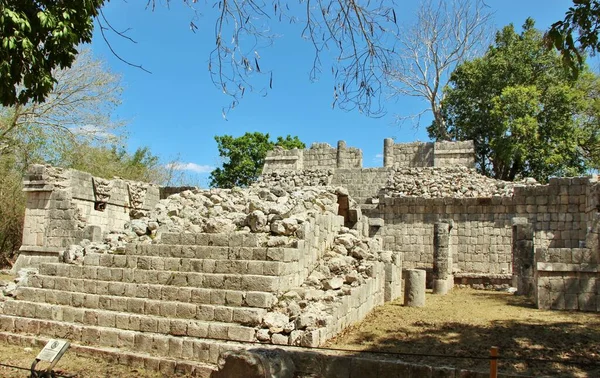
255, 363
275, 320
414, 293
456, 182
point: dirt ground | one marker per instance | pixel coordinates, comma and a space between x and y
463, 323
468, 322
71, 364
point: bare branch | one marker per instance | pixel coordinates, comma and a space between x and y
112, 50
357, 36
445, 34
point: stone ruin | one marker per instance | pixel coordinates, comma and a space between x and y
292, 260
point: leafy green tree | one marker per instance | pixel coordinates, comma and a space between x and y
37, 38
526, 114
73, 128
576, 33
243, 157
112, 161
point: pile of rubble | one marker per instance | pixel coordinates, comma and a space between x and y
277, 215
291, 179
455, 182
312, 305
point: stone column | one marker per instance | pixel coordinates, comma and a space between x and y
393, 274
341, 147
443, 279
414, 288
388, 152
523, 256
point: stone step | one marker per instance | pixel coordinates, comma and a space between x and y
184, 264
215, 252
248, 316
231, 298
170, 367
245, 282
155, 344
129, 322
231, 239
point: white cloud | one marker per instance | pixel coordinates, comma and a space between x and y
378, 157
193, 167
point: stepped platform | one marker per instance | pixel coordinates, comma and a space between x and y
181, 299
189, 298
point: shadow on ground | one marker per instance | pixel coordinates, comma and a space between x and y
521, 332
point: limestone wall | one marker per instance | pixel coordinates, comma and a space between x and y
560, 213
65, 206
432, 154
481, 236
452, 154
415, 154
362, 184
320, 156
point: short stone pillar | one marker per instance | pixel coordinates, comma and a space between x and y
414, 288
341, 147
523, 256
443, 280
393, 274
388, 152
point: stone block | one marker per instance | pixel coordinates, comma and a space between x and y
223, 314
186, 310
260, 283
197, 329
248, 316
238, 333
571, 301
260, 299
557, 300
204, 312
148, 324
200, 295
179, 327
234, 298
218, 331
587, 301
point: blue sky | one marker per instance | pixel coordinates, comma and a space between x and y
177, 111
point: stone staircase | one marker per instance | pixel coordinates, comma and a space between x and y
189, 297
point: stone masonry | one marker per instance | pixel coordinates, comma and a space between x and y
311, 248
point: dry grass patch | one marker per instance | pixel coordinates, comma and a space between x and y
468, 322
71, 364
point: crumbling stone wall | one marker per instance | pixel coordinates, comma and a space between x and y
566, 268
344, 164
65, 206
432, 154
320, 156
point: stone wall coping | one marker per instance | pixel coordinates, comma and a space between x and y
40, 249
282, 157
481, 275
562, 267
451, 152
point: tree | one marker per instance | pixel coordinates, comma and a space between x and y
43, 35
39, 37
79, 107
72, 129
243, 157
526, 114
445, 34
577, 33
